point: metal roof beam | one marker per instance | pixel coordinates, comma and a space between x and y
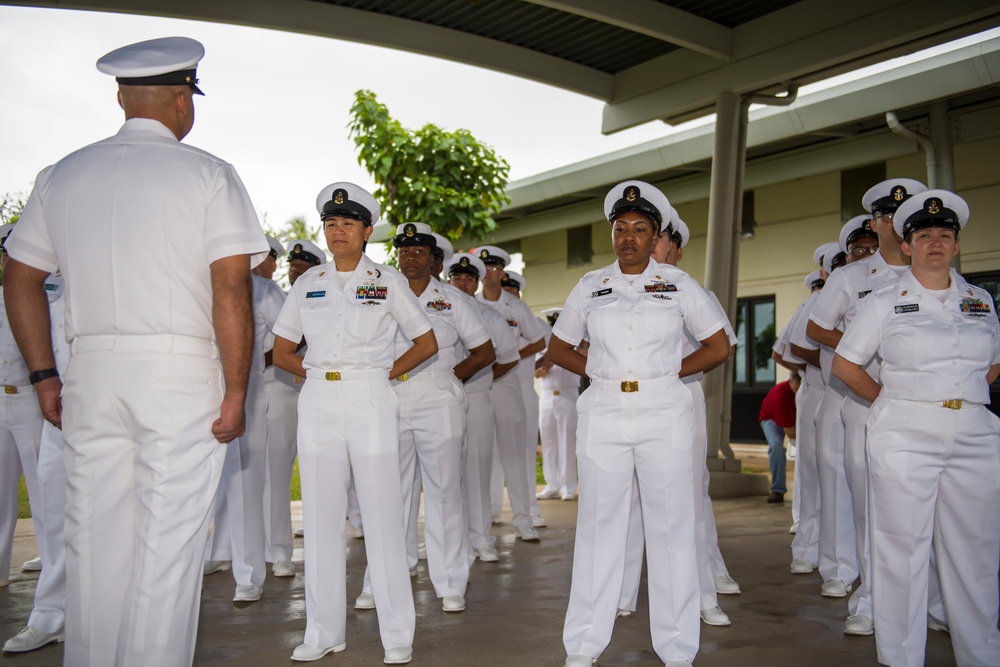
656, 20
324, 20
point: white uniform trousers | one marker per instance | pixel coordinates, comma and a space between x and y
508, 418
531, 443
838, 551
142, 468
710, 561
478, 442
353, 506
935, 475
239, 509
805, 545
282, 421
20, 438
557, 424
855, 415
343, 426
49, 612
645, 436
431, 425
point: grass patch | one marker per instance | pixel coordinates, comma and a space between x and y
296, 483
23, 508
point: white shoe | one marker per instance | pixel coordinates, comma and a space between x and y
528, 534
398, 656
453, 603
299, 532
307, 653
834, 588
724, 585
488, 554
359, 532
365, 601
802, 566
421, 552
622, 613
936, 625
714, 616
248, 593
547, 494
538, 522
579, 661
413, 572
859, 625
33, 565
283, 568
568, 496
30, 639
213, 566
794, 529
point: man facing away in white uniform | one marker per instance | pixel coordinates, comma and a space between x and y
155, 242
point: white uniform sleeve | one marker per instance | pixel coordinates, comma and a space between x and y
833, 301
572, 324
407, 311
531, 329
864, 335
231, 225
504, 342
797, 336
289, 322
726, 324
468, 324
271, 305
700, 316
29, 241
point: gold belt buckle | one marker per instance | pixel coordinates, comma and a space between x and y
297, 380
629, 386
555, 393
9, 389
953, 404
332, 376
404, 377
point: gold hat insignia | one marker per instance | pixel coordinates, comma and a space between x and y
485, 254
297, 248
410, 231
464, 261
866, 225
339, 196
631, 193
933, 206
898, 193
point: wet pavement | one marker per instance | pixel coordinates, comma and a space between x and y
515, 608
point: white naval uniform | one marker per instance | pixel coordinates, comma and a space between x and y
710, 561
351, 423
526, 374
49, 612
479, 429
134, 222
835, 308
432, 409
239, 533
636, 334
935, 471
782, 347
805, 545
509, 413
557, 423
20, 441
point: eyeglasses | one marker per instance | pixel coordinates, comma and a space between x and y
861, 252
888, 215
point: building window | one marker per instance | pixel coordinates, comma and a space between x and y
755, 335
579, 246
989, 281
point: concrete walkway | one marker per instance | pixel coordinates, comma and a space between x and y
516, 608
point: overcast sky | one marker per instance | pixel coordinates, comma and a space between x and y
276, 103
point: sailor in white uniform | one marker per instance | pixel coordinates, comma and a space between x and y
348, 420
464, 272
636, 422
557, 423
933, 446
155, 241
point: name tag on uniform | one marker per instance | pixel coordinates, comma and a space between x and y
50, 287
369, 292
660, 287
862, 295
974, 307
600, 292
908, 308
315, 295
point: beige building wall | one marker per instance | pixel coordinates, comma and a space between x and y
792, 219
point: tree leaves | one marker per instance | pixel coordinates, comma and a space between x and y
449, 180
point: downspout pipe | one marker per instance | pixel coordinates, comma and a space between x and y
925, 143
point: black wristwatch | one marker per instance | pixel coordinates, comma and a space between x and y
45, 374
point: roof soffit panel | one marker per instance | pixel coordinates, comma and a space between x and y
797, 53
657, 20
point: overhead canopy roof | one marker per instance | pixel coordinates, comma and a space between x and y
647, 59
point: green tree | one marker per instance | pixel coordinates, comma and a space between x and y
11, 205
296, 228
449, 180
